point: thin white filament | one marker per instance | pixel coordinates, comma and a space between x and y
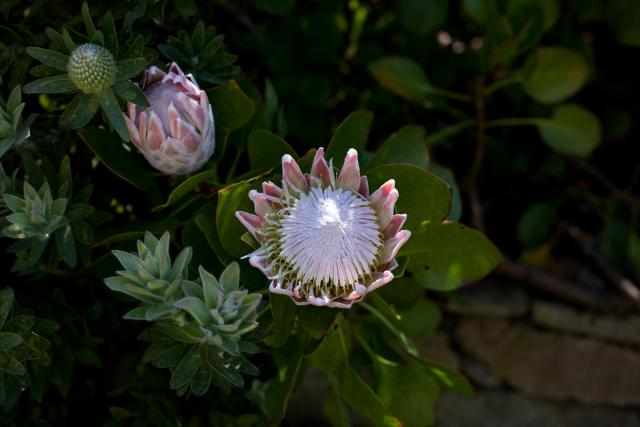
330, 237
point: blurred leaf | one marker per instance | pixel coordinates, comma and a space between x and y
232, 108
422, 16
558, 73
535, 224
571, 130
275, 7
266, 149
283, 312
231, 199
623, 17
333, 352
357, 393
9, 340
447, 377
402, 76
423, 196
315, 320
353, 132
448, 255
407, 145
446, 175
121, 162
409, 392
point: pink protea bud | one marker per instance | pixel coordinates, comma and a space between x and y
176, 132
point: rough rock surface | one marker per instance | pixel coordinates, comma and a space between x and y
624, 330
551, 365
504, 409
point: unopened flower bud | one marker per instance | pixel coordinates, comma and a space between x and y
176, 132
92, 68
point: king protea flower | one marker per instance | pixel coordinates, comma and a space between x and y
325, 240
176, 132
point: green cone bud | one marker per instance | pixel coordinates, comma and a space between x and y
92, 68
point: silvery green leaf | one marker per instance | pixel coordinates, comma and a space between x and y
209, 287
192, 289
15, 203
196, 308
9, 340
128, 261
230, 278
181, 264
138, 313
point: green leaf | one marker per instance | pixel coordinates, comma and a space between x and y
448, 378
50, 57
353, 132
558, 73
447, 255
407, 145
283, 311
11, 366
6, 302
131, 67
186, 187
535, 224
53, 84
423, 196
201, 380
334, 408
571, 130
288, 359
446, 175
230, 200
232, 108
9, 340
266, 149
80, 111
623, 17
88, 22
402, 76
186, 369
129, 91
409, 392
357, 393
110, 33
422, 16
333, 352
116, 158
111, 108
66, 245
315, 320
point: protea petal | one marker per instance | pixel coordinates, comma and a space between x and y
250, 221
325, 241
349, 178
393, 245
260, 203
292, 175
320, 168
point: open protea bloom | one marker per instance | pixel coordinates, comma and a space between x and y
176, 132
325, 240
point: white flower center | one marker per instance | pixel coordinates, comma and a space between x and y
330, 237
